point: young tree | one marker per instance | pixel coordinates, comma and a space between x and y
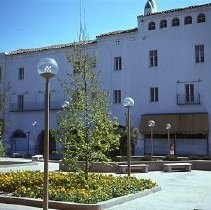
4, 90
85, 129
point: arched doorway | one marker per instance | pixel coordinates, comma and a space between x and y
19, 143
40, 143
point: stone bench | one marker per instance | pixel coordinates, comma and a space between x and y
37, 157
137, 167
168, 167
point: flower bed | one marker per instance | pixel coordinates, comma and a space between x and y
72, 187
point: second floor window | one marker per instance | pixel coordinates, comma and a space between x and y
21, 73
199, 53
117, 63
117, 96
154, 94
20, 102
189, 92
153, 58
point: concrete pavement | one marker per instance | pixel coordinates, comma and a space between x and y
179, 191
35, 165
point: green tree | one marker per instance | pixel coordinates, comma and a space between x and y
85, 128
4, 91
123, 132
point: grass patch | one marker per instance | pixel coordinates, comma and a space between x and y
72, 187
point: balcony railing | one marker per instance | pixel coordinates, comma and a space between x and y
183, 99
34, 106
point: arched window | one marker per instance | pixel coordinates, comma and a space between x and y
163, 24
188, 20
175, 22
18, 134
151, 26
201, 18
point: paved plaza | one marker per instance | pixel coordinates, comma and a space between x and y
180, 191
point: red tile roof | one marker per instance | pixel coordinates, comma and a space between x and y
60, 46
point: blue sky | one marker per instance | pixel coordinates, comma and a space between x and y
37, 23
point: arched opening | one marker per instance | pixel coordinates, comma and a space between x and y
151, 25
19, 143
40, 143
175, 22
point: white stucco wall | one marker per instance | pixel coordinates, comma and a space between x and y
176, 62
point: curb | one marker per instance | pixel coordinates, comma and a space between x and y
76, 206
19, 164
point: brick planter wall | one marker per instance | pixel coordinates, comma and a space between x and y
112, 167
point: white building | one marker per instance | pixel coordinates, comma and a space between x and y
163, 64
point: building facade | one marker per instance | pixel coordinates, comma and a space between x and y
163, 64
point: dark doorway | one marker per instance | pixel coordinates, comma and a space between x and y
40, 143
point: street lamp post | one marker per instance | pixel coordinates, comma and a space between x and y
28, 133
168, 127
34, 124
151, 124
128, 103
47, 68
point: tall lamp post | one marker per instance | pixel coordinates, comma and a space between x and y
168, 127
34, 124
128, 103
151, 125
47, 68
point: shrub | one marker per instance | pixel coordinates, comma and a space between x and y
72, 187
194, 157
147, 158
206, 158
170, 158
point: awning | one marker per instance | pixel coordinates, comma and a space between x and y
188, 123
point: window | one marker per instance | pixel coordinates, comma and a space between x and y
117, 97
117, 63
189, 93
153, 58
188, 20
199, 53
151, 26
163, 23
117, 42
21, 73
154, 94
201, 18
175, 22
20, 102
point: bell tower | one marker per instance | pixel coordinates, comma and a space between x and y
150, 7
